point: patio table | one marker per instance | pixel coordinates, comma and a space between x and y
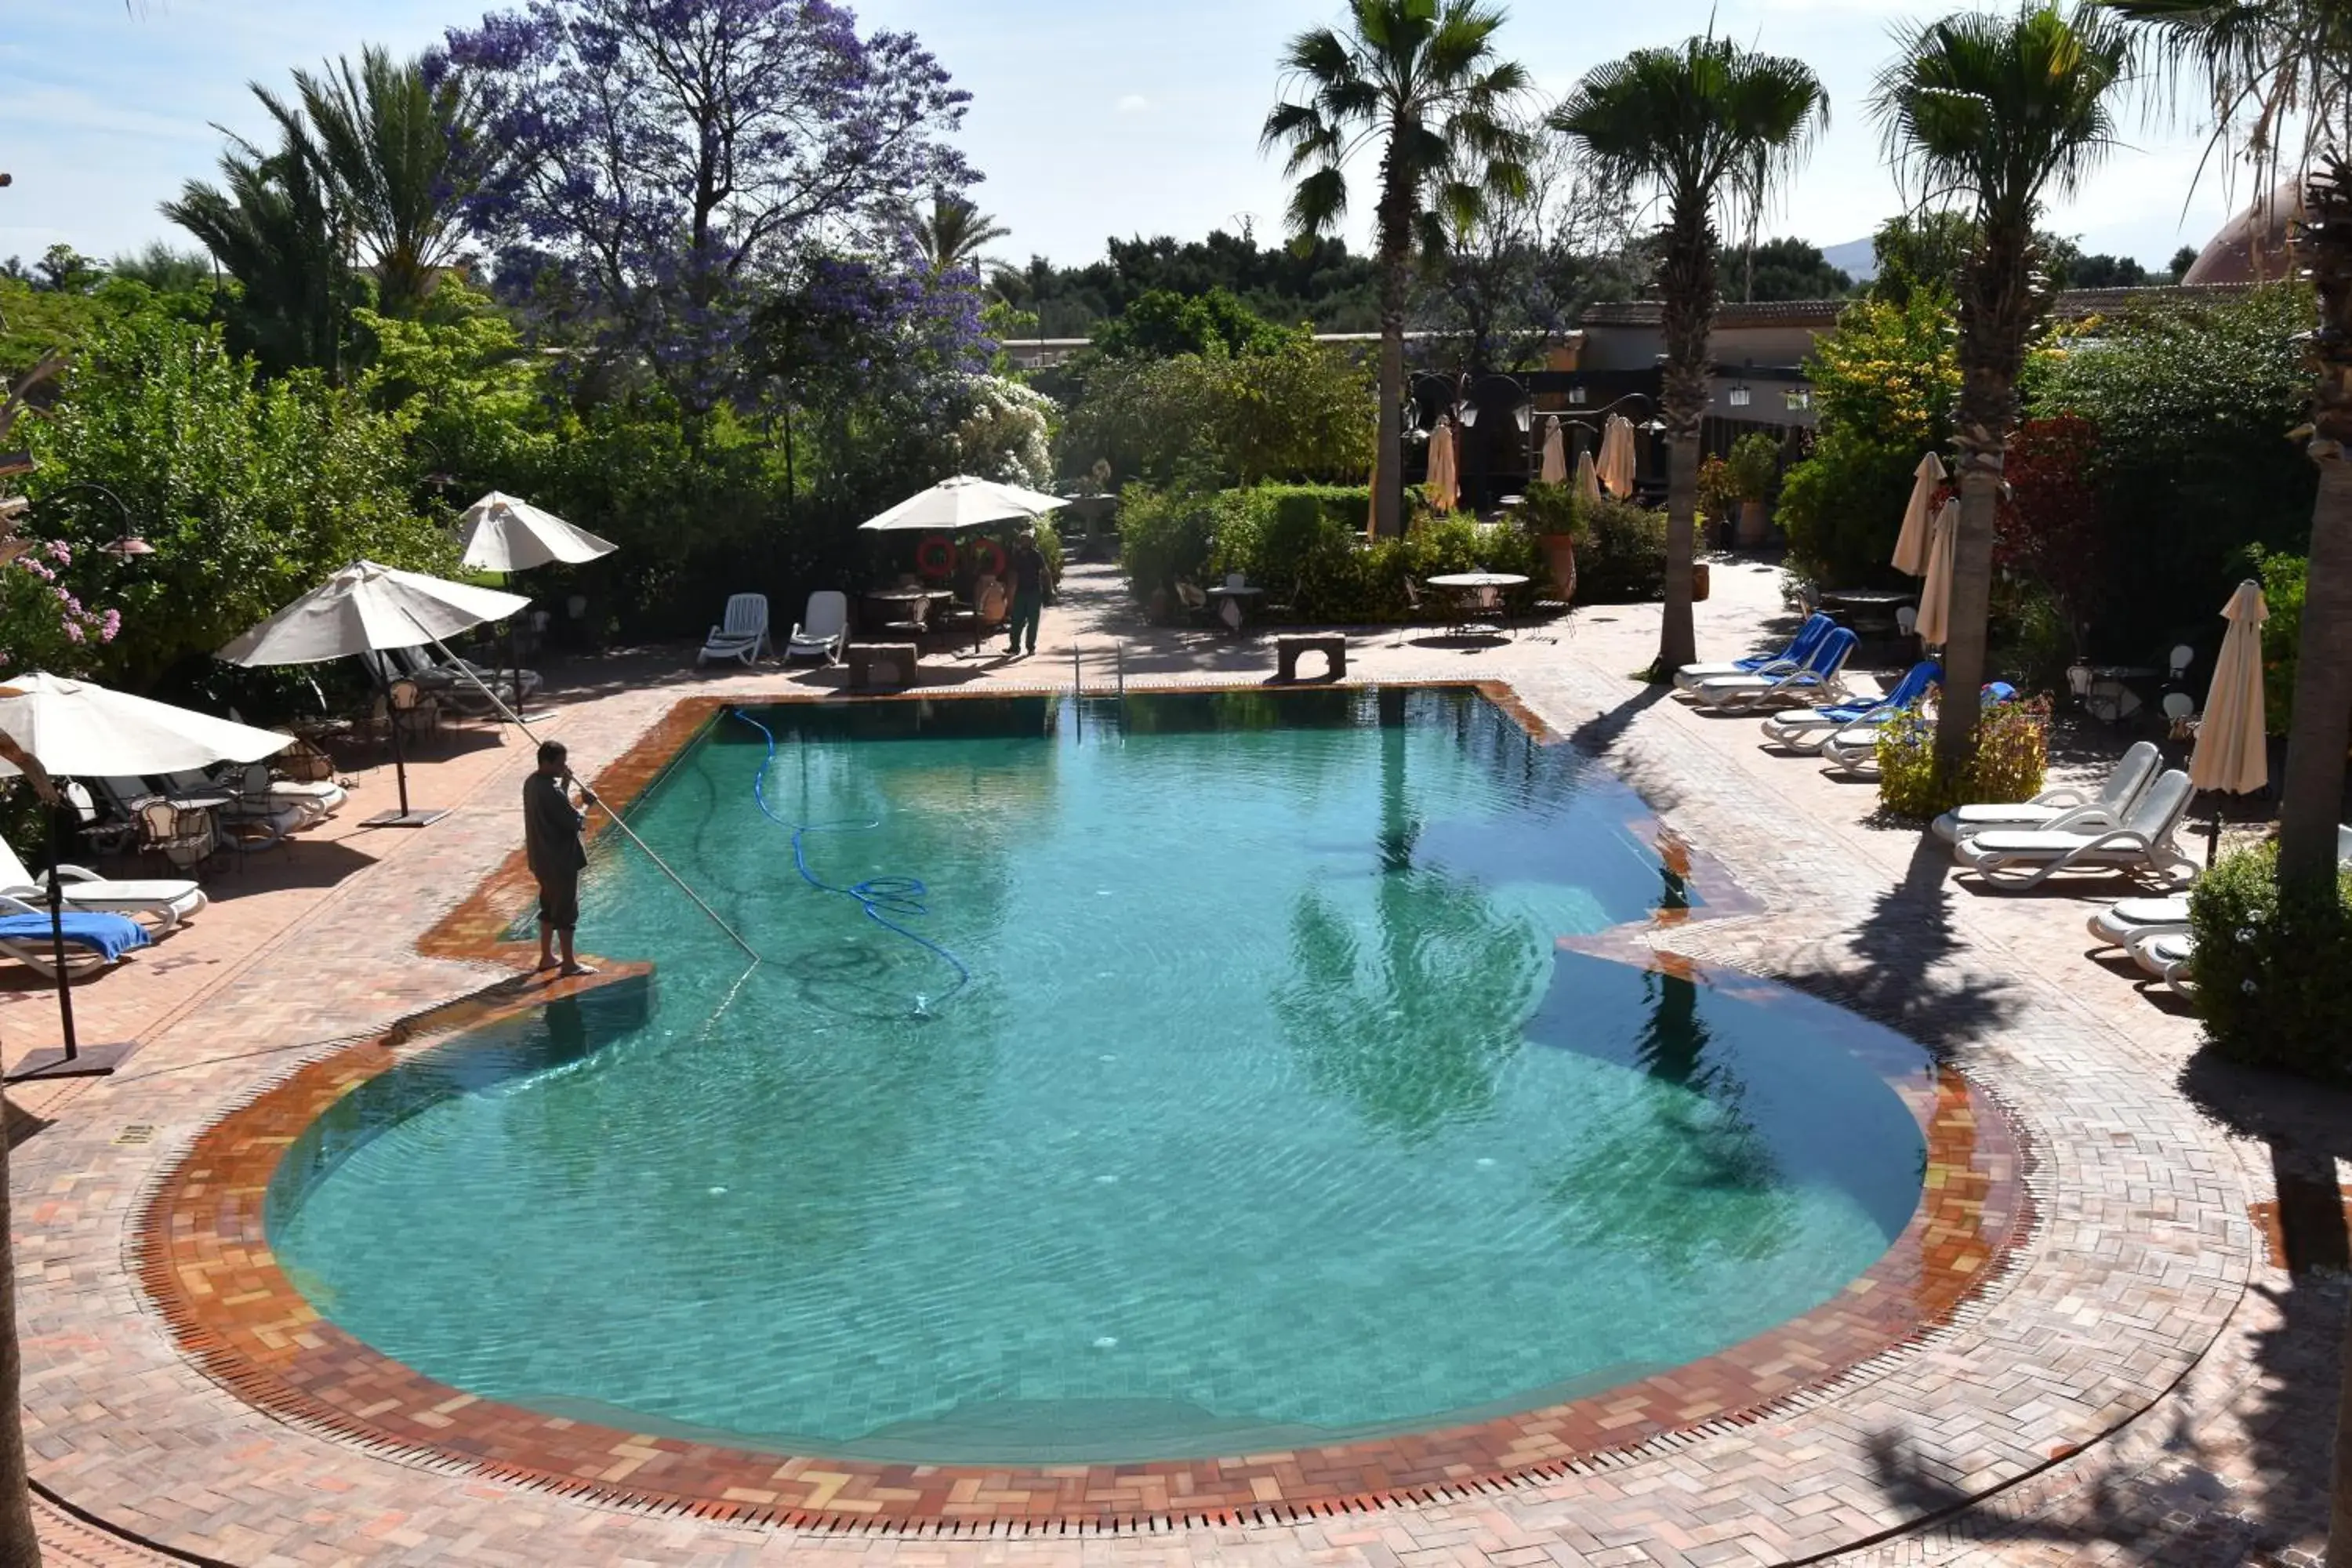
1241, 594
1476, 591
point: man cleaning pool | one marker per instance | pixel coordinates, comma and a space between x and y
550, 829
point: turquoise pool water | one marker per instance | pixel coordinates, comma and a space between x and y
1271, 1114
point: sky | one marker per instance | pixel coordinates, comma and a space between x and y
1090, 118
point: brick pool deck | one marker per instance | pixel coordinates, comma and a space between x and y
2142, 1308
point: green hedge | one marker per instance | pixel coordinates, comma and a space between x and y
2273, 975
2008, 764
1621, 553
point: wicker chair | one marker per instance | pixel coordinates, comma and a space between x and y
185, 838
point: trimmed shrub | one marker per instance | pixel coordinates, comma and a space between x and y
1621, 553
2273, 974
1164, 535
2010, 758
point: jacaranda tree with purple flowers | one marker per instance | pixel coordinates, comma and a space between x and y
674, 160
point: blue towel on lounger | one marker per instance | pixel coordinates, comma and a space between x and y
110, 935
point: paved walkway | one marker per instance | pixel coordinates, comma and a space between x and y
2149, 1301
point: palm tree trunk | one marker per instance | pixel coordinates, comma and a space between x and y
20, 1543
2340, 1518
1972, 607
1393, 224
1686, 317
2313, 790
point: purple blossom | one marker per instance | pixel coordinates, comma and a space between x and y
72, 630
109, 626
678, 156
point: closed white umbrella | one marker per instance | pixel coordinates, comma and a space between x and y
366, 608
1443, 487
1911, 544
80, 728
503, 533
1617, 457
2233, 749
1555, 452
958, 503
85, 731
1588, 479
1935, 622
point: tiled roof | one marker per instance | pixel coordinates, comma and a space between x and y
1823, 313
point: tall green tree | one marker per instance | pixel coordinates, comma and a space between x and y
398, 145
954, 232
276, 225
1713, 128
2272, 65
1992, 113
1421, 81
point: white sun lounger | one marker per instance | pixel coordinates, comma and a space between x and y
824, 626
2170, 956
2066, 808
2127, 919
742, 634
162, 902
2010, 859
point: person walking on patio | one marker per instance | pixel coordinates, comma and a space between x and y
550, 827
1027, 566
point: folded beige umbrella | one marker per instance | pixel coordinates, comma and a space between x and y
1588, 479
1617, 456
1444, 488
1935, 622
1555, 452
1911, 544
2232, 753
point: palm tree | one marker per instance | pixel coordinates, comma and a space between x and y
2274, 67
1712, 128
279, 229
398, 146
1421, 80
1989, 113
955, 233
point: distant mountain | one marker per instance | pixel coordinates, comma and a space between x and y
1855, 259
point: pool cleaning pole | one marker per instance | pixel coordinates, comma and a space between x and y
511, 716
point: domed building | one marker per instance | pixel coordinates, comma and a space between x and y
2252, 247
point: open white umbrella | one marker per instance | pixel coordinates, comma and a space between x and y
84, 731
1555, 452
1588, 479
1617, 456
958, 503
2232, 753
503, 533
1935, 622
1444, 486
81, 729
1911, 544
366, 608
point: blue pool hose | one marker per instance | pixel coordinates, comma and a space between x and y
881, 898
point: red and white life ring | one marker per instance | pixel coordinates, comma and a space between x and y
935, 557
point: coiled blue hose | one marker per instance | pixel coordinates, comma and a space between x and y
880, 896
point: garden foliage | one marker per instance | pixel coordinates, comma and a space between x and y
2274, 969
2009, 759
1301, 413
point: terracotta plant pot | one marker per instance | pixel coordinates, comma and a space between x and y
1560, 555
1751, 523
1699, 583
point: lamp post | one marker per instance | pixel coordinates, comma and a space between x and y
73, 1061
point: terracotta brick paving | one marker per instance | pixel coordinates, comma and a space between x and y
2132, 1289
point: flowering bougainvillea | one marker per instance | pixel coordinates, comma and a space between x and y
43, 623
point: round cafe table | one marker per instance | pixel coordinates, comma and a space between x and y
1240, 596
1476, 591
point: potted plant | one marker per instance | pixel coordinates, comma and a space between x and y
1718, 498
1550, 514
1753, 468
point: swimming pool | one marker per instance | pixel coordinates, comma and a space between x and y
1272, 1113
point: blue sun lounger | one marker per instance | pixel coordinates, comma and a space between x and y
1805, 729
1800, 648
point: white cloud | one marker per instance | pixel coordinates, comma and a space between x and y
1133, 104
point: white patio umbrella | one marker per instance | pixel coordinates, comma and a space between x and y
1588, 479
503, 533
1555, 452
80, 729
1935, 622
367, 609
1444, 486
958, 503
1617, 456
2232, 753
1911, 544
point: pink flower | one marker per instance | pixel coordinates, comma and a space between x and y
73, 631
109, 626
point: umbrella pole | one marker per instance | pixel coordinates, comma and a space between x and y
72, 1061
404, 816
518, 720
